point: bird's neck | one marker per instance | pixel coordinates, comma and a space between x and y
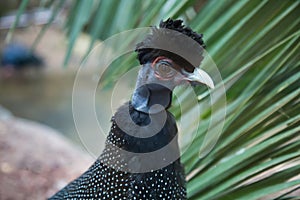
151, 98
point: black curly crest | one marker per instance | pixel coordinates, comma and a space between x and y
170, 34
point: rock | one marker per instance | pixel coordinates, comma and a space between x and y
35, 160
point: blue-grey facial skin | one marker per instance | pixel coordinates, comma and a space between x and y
147, 76
152, 89
155, 87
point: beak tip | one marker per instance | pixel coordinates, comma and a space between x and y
211, 86
200, 76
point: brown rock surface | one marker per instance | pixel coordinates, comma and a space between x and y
35, 160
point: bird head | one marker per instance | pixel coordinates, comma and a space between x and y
171, 55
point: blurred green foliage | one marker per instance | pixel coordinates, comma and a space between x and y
255, 45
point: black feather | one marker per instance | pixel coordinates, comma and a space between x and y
163, 37
104, 182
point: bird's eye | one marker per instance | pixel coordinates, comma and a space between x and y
164, 70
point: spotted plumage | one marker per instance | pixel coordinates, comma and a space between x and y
141, 159
103, 180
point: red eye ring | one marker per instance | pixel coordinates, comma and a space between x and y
163, 68
159, 58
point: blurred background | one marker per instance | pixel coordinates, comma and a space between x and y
254, 44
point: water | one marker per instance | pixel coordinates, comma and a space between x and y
48, 99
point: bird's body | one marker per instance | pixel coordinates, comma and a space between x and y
141, 159
105, 182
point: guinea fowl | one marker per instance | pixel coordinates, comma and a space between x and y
127, 169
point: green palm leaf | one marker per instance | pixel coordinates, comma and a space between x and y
255, 45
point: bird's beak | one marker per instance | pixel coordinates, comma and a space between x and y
199, 77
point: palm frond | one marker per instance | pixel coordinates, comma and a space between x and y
255, 45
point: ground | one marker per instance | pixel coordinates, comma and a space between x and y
40, 150
35, 160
